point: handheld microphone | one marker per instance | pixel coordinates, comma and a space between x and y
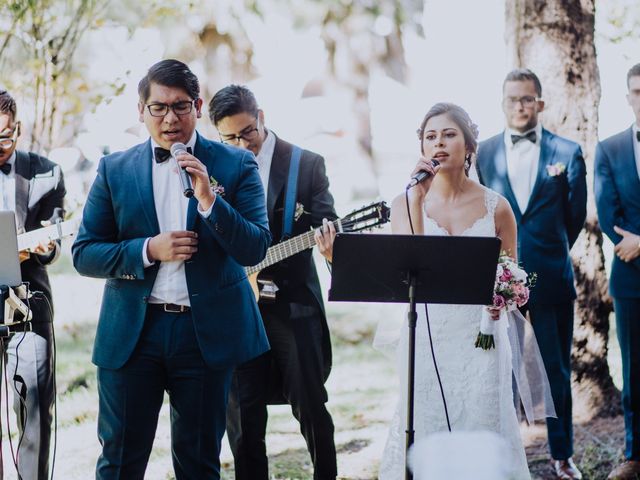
185, 178
420, 176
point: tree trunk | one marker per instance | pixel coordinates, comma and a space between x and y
555, 39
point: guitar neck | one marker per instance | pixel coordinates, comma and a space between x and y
33, 238
287, 249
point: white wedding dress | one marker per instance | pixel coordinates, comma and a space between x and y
477, 383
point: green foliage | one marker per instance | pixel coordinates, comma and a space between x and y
39, 43
622, 21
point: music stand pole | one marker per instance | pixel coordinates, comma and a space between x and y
412, 317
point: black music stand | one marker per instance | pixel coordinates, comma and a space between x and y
413, 269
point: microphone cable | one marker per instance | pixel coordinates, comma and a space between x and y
426, 314
54, 355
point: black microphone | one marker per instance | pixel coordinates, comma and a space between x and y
421, 175
185, 178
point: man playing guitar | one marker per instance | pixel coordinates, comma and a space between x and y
299, 362
33, 187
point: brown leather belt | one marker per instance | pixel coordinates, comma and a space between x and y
170, 307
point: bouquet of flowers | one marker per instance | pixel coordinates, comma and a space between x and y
510, 292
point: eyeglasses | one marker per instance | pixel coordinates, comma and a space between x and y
525, 101
248, 135
161, 109
7, 142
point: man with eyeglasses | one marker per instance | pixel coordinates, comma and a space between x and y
295, 369
542, 176
33, 187
178, 312
617, 189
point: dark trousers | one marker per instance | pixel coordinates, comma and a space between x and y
553, 326
628, 327
295, 334
167, 357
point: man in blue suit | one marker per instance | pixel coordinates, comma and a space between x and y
542, 176
617, 188
178, 312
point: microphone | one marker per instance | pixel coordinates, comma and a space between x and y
420, 176
185, 178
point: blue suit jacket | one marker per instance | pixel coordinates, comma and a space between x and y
554, 215
617, 188
119, 215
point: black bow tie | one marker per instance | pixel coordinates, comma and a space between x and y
5, 168
638, 135
531, 136
162, 154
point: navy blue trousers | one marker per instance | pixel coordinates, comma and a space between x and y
553, 326
166, 358
628, 327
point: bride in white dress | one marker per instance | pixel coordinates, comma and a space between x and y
477, 383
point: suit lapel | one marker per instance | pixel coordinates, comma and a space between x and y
547, 153
277, 174
144, 184
22, 173
503, 174
628, 162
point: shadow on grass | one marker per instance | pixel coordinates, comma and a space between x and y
295, 464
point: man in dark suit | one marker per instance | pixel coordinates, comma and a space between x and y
617, 188
178, 312
542, 176
33, 187
300, 358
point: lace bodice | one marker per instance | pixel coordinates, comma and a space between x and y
484, 226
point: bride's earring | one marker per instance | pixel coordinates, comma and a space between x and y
467, 163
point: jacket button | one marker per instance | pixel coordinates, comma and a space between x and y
145, 299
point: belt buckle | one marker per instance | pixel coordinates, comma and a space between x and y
171, 308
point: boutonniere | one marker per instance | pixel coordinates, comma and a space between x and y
299, 211
556, 169
216, 187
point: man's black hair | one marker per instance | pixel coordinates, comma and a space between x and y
169, 73
231, 100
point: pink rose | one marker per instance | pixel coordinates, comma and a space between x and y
499, 301
523, 297
506, 275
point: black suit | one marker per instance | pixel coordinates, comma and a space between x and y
295, 369
39, 187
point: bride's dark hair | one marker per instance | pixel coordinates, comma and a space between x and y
460, 118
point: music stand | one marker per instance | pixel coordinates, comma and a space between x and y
411, 269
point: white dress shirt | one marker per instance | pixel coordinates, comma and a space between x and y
636, 146
8, 186
264, 158
522, 164
171, 209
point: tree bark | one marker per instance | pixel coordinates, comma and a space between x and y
555, 39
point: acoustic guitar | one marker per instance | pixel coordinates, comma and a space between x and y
365, 218
30, 240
